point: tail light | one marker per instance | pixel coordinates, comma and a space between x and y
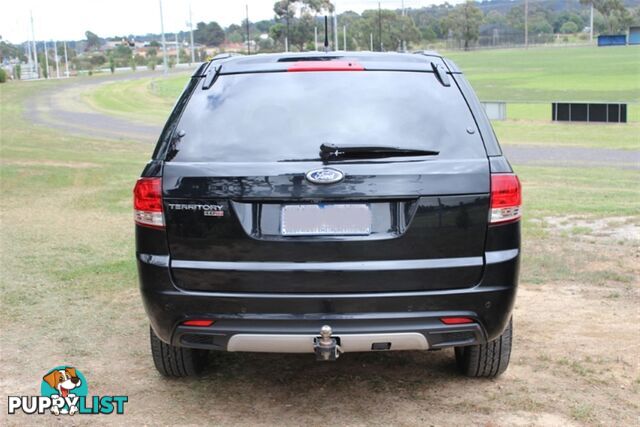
506, 198
198, 322
456, 320
147, 203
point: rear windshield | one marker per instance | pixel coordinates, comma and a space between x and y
286, 116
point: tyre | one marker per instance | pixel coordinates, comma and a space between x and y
172, 361
486, 360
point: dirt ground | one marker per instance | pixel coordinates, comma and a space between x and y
574, 362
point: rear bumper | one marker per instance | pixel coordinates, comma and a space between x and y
293, 315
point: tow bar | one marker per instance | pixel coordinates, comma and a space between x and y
326, 347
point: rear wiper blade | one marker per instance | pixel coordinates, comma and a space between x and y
335, 152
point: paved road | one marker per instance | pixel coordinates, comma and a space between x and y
61, 107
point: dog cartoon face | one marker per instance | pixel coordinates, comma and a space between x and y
63, 380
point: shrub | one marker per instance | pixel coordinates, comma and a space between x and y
569, 27
3, 75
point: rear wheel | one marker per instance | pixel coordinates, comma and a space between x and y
486, 360
172, 361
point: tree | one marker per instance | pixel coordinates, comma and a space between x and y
210, 34
296, 19
93, 41
614, 12
464, 21
395, 28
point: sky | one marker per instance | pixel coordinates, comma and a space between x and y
69, 19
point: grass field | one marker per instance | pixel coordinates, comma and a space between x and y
67, 236
553, 74
69, 292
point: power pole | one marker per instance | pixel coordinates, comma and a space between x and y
35, 47
66, 61
371, 41
591, 24
165, 64
526, 23
248, 34
46, 59
316, 37
193, 51
380, 26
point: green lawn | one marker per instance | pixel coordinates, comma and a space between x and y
147, 100
553, 74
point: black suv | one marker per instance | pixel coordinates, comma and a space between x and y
328, 203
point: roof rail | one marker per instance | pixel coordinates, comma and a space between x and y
427, 53
225, 55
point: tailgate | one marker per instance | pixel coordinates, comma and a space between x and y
428, 221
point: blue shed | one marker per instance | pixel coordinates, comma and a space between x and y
612, 40
634, 35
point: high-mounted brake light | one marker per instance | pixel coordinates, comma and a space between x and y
147, 203
325, 66
456, 320
506, 198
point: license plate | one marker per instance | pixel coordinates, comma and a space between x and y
325, 220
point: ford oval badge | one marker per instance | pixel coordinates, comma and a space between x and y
324, 176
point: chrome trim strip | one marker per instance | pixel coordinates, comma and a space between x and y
299, 343
411, 264
491, 257
157, 260
496, 257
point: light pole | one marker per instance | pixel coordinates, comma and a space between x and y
165, 64
177, 50
35, 47
591, 24
344, 38
335, 25
66, 62
55, 53
248, 33
46, 59
526, 23
193, 51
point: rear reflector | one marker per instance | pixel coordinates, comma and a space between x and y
147, 203
325, 66
456, 320
198, 322
506, 198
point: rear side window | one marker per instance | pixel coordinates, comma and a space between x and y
284, 116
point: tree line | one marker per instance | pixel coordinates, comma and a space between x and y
295, 22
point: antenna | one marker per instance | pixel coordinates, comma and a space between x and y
326, 34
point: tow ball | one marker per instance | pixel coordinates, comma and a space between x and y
326, 347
